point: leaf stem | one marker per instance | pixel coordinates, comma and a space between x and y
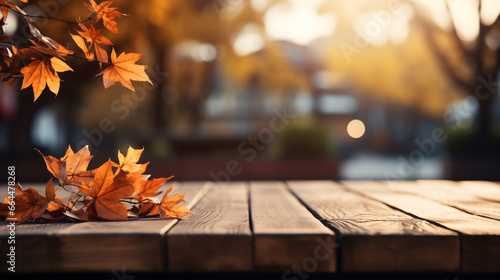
129, 200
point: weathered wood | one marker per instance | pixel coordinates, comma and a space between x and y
450, 193
397, 227
96, 246
286, 234
377, 238
480, 237
218, 237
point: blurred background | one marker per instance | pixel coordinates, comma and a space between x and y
276, 89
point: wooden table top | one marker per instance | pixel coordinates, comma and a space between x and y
294, 228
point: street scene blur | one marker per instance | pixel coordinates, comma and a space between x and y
277, 89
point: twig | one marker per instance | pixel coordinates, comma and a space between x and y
71, 55
129, 201
45, 17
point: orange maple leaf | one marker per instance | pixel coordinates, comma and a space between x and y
144, 188
94, 37
129, 163
71, 169
54, 211
12, 62
43, 72
74, 168
106, 13
168, 207
123, 69
149, 207
29, 204
38, 51
80, 42
105, 192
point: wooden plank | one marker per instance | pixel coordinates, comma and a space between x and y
377, 238
489, 191
480, 237
218, 237
452, 194
286, 234
97, 246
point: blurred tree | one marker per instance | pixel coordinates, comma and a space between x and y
400, 71
472, 64
169, 34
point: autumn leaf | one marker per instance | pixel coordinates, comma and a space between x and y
105, 192
148, 208
53, 164
124, 70
129, 163
145, 188
94, 37
80, 215
168, 207
54, 211
80, 42
61, 50
43, 72
12, 64
74, 168
106, 13
38, 51
50, 193
97, 11
71, 169
29, 204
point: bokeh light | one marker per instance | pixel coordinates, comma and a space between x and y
356, 128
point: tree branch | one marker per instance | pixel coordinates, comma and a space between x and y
456, 37
7, 43
440, 54
44, 17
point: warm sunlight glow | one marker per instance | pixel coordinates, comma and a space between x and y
248, 40
438, 12
258, 5
466, 18
489, 11
377, 27
356, 128
298, 21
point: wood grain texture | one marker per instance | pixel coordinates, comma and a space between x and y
96, 246
377, 238
218, 237
286, 234
480, 237
489, 191
452, 194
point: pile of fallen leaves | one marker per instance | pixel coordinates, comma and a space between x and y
99, 194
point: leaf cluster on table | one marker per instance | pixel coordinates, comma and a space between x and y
99, 194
